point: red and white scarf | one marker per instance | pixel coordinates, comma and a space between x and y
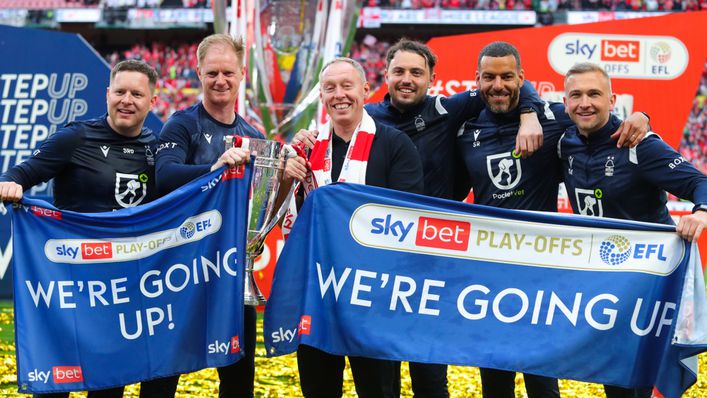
353, 170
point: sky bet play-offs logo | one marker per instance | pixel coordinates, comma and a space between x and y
514, 242
110, 250
622, 56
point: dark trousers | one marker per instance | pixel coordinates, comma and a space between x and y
620, 392
429, 380
501, 384
236, 381
321, 375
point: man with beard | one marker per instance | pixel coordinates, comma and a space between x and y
192, 144
488, 149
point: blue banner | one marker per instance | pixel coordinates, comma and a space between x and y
108, 299
384, 274
54, 78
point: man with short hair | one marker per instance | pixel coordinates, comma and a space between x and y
90, 153
622, 183
384, 157
500, 177
192, 144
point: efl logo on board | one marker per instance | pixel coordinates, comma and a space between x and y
92, 251
42, 212
621, 50
67, 374
443, 234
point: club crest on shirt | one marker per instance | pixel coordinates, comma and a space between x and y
149, 156
589, 201
130, 189
419, 123
504, 170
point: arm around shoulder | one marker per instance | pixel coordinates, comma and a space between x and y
406, 168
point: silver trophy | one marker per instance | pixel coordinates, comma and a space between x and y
262, 214
289, 41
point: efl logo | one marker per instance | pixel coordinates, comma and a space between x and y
98, 250
67, 374
304, 325
620, 50
235, 345
443, 234
42, 212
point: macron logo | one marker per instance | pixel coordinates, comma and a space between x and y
67, 374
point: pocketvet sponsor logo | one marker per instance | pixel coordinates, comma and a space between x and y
516, 242
622, 56
74, 251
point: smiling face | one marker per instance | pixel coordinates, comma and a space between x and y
220, 73
408, 77
588, 101
343, 93
499, 81
129, 99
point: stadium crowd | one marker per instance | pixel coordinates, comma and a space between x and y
544, 6
694, 142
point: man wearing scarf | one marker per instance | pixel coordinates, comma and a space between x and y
352, 148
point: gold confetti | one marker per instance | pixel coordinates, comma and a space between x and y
277, 377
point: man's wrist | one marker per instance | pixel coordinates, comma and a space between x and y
700, 207
526, 109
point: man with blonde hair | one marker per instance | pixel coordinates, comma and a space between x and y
192, 144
